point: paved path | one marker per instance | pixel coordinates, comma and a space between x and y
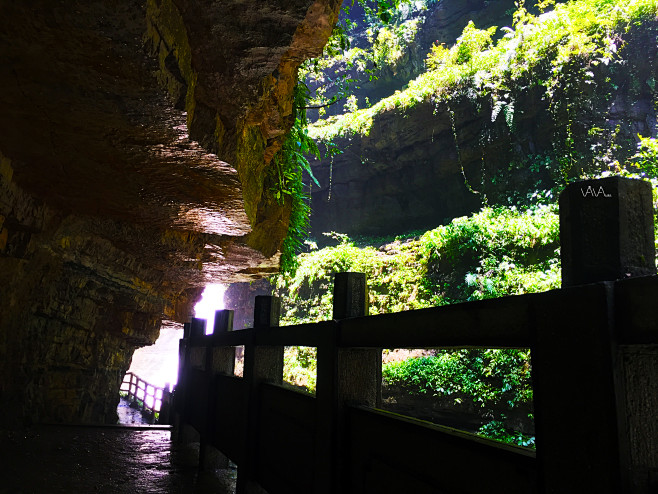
129, 415
112, 460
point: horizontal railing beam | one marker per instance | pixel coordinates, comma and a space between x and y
299, 335
417, 456
228, 338
495, 323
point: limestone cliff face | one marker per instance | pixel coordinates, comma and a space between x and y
135, 139
241, 299
420, 167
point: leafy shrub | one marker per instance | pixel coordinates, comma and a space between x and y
496, 429
496, 252
495, 381
645, 161
390, 42
300, 367
393, 280
468, 46
555, 50
486, 377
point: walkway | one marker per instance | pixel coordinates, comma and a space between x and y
112, 460
129, 415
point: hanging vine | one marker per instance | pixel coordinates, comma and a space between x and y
290, 163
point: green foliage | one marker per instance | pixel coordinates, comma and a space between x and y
388, 33
555, 51
465, 51
394, 279
487, 378
496, 429
300, 367
496, 252
289, 165
646, 158
389, 42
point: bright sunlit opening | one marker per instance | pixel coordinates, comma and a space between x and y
212, 300
158, 364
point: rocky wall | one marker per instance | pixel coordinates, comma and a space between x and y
241, 299
135, 139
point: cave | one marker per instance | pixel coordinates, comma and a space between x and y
135, 143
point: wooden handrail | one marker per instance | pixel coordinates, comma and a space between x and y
580, 317
150, 398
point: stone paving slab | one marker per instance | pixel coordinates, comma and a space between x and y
112, 460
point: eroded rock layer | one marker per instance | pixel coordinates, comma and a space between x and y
135, 139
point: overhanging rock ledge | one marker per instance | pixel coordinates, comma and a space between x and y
135, 141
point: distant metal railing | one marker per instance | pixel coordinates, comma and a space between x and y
148, 397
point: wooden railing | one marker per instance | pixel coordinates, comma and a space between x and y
594, 354
148, 398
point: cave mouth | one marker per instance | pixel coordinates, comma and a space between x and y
212, 299
157, 364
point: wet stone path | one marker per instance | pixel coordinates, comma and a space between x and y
112, 460
129, 415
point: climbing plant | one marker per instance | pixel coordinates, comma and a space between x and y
289, 165
291, 162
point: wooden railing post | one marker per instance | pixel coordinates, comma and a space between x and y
165, 406
192, 357
606, 230
222, 359
359, 370
178, 398
261, 364
131, 395
345, 376
218, 360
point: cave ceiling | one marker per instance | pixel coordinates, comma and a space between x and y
99, 99
136, 138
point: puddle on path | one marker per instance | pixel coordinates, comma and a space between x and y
112, 460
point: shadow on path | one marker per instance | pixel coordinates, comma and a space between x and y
112, 460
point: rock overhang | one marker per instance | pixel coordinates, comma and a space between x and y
135, 139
